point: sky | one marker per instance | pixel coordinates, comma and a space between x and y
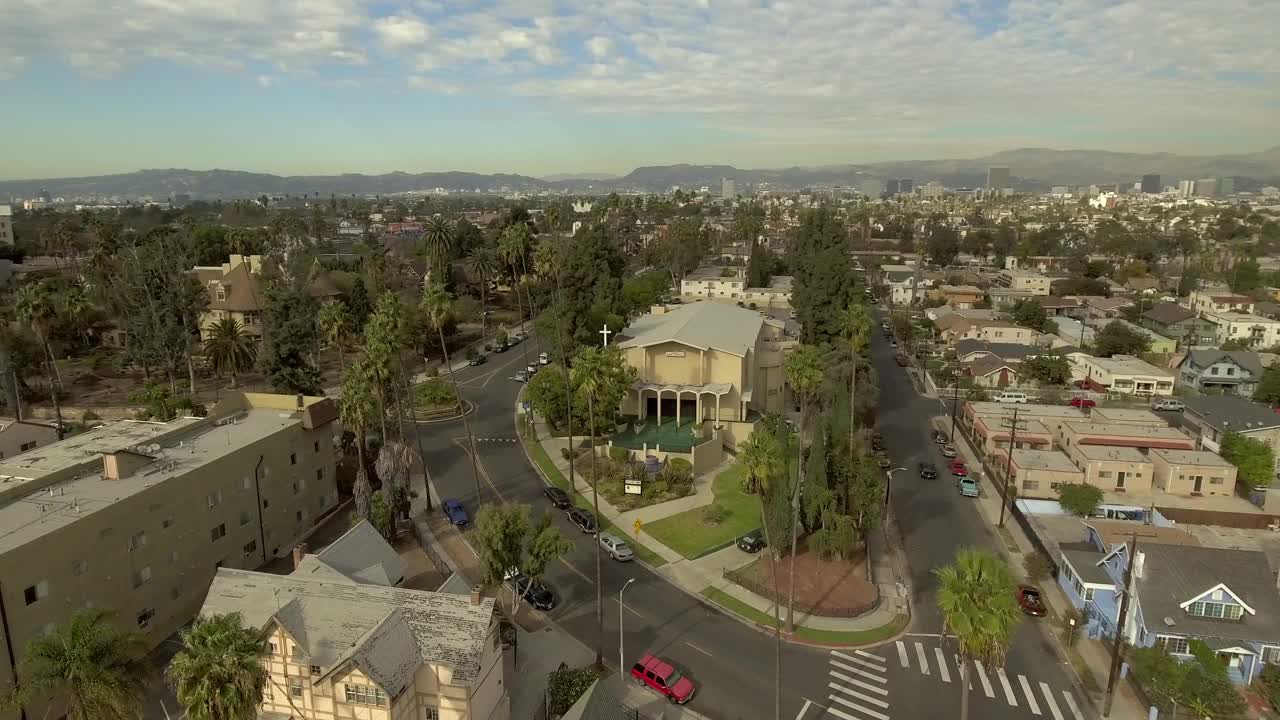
554, 86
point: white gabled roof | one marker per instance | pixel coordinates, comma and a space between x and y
701, 325
1223, 587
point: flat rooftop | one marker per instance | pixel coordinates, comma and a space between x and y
1029, 410
1102, 433
1125, 365
1239, 317
1054, 460
1202, 458
1025, 427
1105, 452
1127, 416
712, 272
63, 481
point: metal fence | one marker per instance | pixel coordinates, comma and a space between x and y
616, 710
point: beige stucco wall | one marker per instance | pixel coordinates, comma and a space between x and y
1042, 481
17, 434
1103, 473
1180, 479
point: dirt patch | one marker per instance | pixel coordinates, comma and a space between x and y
829, 588
420, 573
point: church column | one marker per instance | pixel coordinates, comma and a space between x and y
678, 395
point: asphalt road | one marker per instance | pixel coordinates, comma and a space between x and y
731, 663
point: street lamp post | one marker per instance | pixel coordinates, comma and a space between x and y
888, 486
622, 663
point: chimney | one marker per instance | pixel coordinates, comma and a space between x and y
300, 402
1139, 564
122, 464
475, 594
299, 551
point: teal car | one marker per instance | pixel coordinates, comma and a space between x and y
968, 486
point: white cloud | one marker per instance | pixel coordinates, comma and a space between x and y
400, 31
266, 81
423, 82
600, 46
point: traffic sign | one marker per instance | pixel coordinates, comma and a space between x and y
637, 525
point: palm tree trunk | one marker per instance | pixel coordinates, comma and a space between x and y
53, 363
595, 500
382, 410
466, 424
853, 391
519, 309
777, 622
417, 436
191, 373
528, 301
795, 519
964, 691
53, 393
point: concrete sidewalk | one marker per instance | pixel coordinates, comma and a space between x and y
708, 571
1094, 657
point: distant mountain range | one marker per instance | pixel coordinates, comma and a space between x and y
1030, 168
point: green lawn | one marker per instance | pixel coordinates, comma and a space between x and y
557, 478
852, 637
688, 535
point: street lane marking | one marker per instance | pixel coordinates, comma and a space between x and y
846, 716
1008, 689
1048, 698
462, 443
1031, 698
576, 571
982, 675
859, 683
924, 662
804, 709
859, 661
942, 665
630, 609
865, 698
902, 655
869, 656
704, 652
856, 671
1071, 705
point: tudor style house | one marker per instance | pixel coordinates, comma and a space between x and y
235, 291
1225, 598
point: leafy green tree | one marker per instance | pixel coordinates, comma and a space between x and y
88, 661
589, 292
1079, 499
230, 348
219, 674
1031, 314
943, 244
544, 546
644, 291
602, 377
548, 391
803, 371
759, 265
1246, 276
289, 323
384, 335
382, 516
824, 285
358, 407
36, 307
1048, 369
1119, 339
499, 540
1254, 459
1268, 390
976, 598
513, 246
359, 303
336, 327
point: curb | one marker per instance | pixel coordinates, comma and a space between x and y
470, 409
790, 637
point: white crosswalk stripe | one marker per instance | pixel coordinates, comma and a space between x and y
1071, 705
1008, 689
942, 665
1031, 697
982, 675
1048, 699
902, 654
924, 661
858, 686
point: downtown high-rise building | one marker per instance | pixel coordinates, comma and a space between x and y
906, 186
1151, 184
1226, 186
1186, 188
728, 189
997, 178
891, 187
1207, 187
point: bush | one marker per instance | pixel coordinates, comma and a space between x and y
680, 465
88, 417
619, 455
1037, 566
714, 514
564, 687
435, 393
1079, 499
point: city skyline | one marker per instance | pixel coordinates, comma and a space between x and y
541, 88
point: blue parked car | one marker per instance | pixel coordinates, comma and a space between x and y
455, 512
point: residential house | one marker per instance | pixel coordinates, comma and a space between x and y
6, 225
1225, 598
1218, 302
360, 554
1106, 434
969, 350
988, 424
1160, 345
1113, 469
1028, 280
1037, 473
1253, 330
714, 282
901, 281
1104, 308
1235, 372
1074, 332
991, 372
1182, 324
1122, 374
339, 648
776, 295
1126, 416
19, 436
955, 328
1003, 298
1192, 472
704, 361
1142, 284
1058, 305
1213, 416
235, 291
137, 516
959, 296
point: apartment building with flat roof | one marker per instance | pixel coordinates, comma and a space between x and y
1038, 473
1192, 472
136, 517
1141, 437
1113, 469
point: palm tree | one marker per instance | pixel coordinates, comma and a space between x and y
219, 674
761, 455
512, 246
857, 327
336, 326
230, 348
359, 405
91, 663
482, 264
602, 377
436, 305
804, 375
552, 216
976, 597
37, 308
438, 234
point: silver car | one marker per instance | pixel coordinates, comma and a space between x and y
1168, 404
616, 547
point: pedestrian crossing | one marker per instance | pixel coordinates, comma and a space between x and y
858, 683
1037, 698
496, 440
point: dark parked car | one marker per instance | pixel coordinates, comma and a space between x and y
928, 471
883, 461
1030, 602
940, 437
585, 521
455, 512
531, 591
558, 497
477, 360
752, 542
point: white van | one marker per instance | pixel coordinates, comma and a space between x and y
1008, 396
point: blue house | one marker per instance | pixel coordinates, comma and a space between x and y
1226, 598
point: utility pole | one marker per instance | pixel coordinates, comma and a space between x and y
1120, 623
955, 400
1012, 424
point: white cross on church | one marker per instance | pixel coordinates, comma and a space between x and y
606, 333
